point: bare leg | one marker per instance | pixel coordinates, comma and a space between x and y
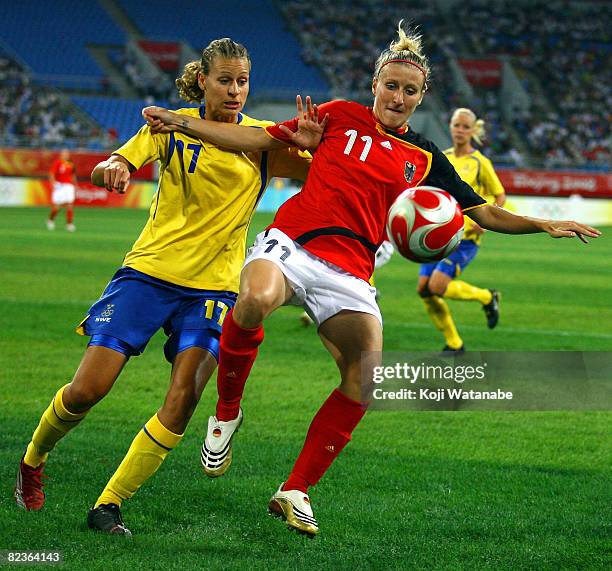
94, 378
350, 337
162, 433
191, 371
263, 288
92, 381
355, 341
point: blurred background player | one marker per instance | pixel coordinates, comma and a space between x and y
439, 279
320, 249
62, 177
181, 275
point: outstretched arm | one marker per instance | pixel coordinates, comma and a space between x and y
500, 220
238, 137
227, 135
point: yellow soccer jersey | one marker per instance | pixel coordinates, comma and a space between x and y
197, 228
477, 170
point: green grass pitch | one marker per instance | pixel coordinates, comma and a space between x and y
422, 490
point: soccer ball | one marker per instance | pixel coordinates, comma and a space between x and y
425, 224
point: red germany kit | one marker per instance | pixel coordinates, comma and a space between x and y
358, 170
62, 171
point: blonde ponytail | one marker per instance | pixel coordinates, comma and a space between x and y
187, 85
408, 48
407, 42
479, 133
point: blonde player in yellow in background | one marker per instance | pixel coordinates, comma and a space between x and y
439, 280
181, 275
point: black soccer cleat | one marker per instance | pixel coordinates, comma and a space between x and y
107, 518
449, 352
492, 309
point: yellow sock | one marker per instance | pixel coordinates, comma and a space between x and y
466, 292
145, 455
54, 424
441, 317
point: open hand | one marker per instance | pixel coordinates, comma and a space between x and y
570, 229
310, 127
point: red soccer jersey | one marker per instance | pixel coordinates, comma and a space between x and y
62, 171
358, 170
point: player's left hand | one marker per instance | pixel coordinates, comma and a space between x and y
310, 127
159, 119
570, 229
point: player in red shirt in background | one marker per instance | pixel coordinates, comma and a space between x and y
62, 177
319, 252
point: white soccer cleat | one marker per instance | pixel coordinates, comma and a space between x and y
217, 448
70, 227
305, 319
50, 224
294, 507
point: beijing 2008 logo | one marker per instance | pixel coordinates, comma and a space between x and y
108, 311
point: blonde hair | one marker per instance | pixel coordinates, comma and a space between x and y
409, 48
188, 86
478, 129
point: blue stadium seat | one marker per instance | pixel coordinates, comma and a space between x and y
50, 38
112, 112
278, 70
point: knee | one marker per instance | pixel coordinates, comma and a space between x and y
253, 306
179, 406
80, 397
437, 290
437, 287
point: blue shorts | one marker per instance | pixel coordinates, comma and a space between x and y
455, 263
134, 306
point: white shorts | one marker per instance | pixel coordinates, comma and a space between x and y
63, 193
322, 288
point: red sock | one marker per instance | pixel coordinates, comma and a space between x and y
69, 216
53, 213
237, 352
329, 432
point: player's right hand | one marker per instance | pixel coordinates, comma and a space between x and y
310, 126
116, 177
477, 229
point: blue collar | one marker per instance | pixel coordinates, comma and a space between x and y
202, 111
